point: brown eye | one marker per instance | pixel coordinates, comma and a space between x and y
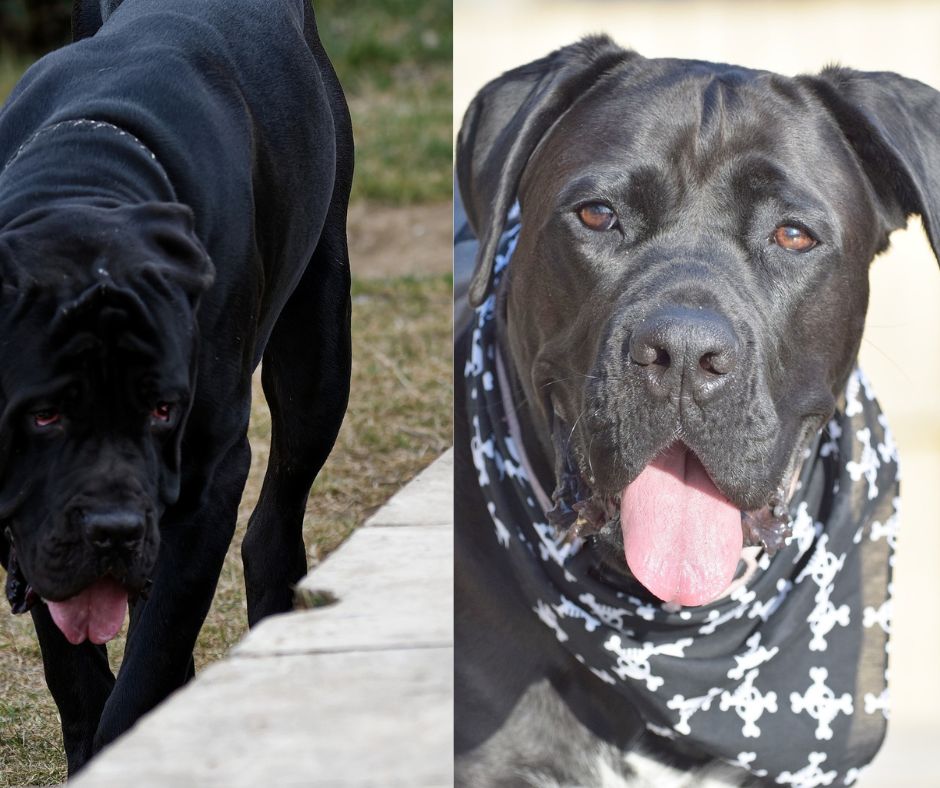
793, 239
597, 216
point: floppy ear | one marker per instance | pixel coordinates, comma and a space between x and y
179, 259
504, 124
893, 124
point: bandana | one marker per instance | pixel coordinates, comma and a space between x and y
786, 676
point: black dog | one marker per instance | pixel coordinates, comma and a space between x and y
173, 195
682, 312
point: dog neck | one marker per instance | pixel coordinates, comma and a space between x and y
51, 166
521, 417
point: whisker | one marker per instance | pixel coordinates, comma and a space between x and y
570, 377
573, 428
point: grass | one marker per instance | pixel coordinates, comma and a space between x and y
399, 420
394, 58
11, 69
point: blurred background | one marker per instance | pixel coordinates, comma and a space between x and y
32, 27
901, 349
393, 58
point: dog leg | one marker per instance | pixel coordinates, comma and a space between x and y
80, 681
305, 374
158, 656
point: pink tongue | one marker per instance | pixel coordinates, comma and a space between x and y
682, 537
96, 613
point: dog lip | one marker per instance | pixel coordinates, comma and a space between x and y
581, 510
134, 577
20, 593
630, 477
132, 587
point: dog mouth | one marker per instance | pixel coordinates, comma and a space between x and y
96, 613
682, 538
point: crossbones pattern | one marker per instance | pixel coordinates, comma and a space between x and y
749, 703
821, 703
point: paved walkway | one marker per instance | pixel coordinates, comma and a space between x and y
357, 690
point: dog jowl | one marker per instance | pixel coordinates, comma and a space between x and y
697, 238
96, 389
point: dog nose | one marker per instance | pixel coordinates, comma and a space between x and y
111, 530
680, 348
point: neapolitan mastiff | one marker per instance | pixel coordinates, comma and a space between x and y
676, 496
173, 191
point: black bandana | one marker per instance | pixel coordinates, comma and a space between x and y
785, 676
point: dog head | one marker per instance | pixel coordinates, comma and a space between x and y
97, 367
688, 291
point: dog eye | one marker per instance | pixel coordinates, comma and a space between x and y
597, 216
46, 417
793, 239
162, 413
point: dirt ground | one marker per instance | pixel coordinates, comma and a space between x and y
387, 241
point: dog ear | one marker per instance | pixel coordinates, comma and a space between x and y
504, 124
893, 125
178, 256
180, 262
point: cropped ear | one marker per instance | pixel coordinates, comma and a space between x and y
178, 256
893, 125
504, 124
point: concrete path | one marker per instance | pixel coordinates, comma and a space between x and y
356, 690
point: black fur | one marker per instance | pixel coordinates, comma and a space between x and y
157, 258
700, 163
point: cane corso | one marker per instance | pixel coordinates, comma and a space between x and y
682, 311
173, 193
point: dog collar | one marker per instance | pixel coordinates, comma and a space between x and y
87, 124
786, 677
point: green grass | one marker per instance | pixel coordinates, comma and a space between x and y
403, 141
394, 58
399, 419
367, 40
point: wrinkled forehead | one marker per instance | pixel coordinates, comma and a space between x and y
50, 345
691, 126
